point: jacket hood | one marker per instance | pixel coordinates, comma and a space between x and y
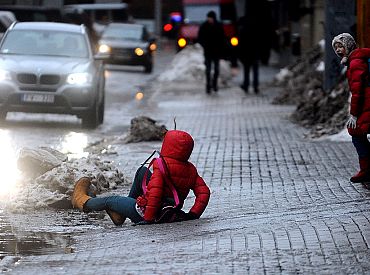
360, 53
177, 145
346, 40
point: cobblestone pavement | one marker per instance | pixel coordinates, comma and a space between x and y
279, 204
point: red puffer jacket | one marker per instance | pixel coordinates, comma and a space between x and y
357, 75
176, 149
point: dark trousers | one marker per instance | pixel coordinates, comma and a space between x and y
208, 61
246, 68
362, 146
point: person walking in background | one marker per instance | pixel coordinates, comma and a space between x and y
212, 38
358, 124
255, 34
144, 207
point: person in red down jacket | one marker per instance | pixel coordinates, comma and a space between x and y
358, 124
176, 149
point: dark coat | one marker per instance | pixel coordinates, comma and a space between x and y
176, 150
357, 75
255, 32
212, 38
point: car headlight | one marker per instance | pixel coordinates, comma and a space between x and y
4, 75
79, 78
139, 51
234, 41
104, 48
153, 47
181, 42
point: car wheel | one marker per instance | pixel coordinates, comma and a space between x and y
149, 67
101, 111
90, 118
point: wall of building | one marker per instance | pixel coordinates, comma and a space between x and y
340, 16
312, 24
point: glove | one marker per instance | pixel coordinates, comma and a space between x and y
351, 122
144, 222
190, 216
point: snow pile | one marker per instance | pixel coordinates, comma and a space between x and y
145, 129
34, 163
188, 66
300, 77
283, 74
323, 112
55, 186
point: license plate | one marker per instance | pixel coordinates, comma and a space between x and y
38, 98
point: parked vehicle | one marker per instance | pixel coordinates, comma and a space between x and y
128, 44
50, 67
194, 14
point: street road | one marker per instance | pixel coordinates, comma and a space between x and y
65, 133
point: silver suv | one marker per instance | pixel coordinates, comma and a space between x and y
51, 68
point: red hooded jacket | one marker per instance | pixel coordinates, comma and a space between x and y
358, 77
176, 149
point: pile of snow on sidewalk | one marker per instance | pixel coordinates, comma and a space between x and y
323, 112
48, 178
188, 66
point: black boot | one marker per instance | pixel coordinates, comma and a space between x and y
215, 87
208, 89
244, 88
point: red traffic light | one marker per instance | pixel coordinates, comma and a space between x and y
167, 27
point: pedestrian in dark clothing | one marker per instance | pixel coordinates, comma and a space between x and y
255, 39
358, 124
248, 53
212, 38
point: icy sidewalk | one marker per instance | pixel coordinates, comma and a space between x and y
279, 203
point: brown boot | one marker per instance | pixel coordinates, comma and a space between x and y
364, 174
116, 218
79, 196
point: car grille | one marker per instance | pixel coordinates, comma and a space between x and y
45, 79
27, 78
122, 51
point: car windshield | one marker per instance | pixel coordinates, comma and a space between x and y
125, 32
41, 42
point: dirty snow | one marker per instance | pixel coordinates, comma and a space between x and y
54, 186
320, 67
283, 74
188, 66
342, 136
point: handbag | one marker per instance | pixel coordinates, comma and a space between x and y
168, 212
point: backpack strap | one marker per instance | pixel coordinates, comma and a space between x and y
167, 179
144, 182
165, 175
